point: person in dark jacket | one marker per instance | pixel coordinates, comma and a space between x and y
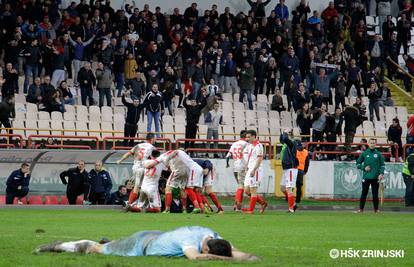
32, 56
277, 102
137, 85
7, 111
104, 82
76, 183
17, 184
36, 92
408, 176
333, 129
289, 166
101, 184
302, 156
246, 83
133, 113
155, 108
374, 94
260, 69
304, 121
119, 197
258, 7
394, 137
10, 83
352, 121
193, 112
87, 82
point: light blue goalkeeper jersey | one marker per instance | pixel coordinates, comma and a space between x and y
156, 243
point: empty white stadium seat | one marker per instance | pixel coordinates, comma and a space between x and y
43, 125
56, 115
96, 127
56, 125
70, 109
43, 115
81, 126
69, 125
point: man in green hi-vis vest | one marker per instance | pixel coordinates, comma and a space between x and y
408, 175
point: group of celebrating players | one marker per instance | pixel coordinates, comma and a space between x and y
194, 177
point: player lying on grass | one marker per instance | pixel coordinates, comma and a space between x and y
193, 242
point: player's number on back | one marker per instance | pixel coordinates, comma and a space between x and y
141, 153
238, 152
150, 172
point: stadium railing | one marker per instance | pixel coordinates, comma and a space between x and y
38, 146
10, 136
403, 71
340, 144
107, 140
267, 145
31, 138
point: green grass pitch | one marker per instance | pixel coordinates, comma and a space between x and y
278, 238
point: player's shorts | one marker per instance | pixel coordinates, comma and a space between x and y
195, 177
240, 177
177, 179
289, 178
149, 195
255, 180
208, 180
138, 172
133, 245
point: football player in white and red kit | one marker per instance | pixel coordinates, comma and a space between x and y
149, 196
177, 179
208, 178
254, 171
141, 152
193, 184
239, 168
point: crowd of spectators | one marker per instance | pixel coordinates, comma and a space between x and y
314, 58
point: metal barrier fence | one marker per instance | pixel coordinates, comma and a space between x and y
62, 137
267, 145
351, 144
167, 144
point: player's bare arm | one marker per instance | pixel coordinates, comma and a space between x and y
124, 157
193, 254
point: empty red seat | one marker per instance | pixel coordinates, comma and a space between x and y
64, 201
35, 200
24, 200
2, 199
79, 200
51, 200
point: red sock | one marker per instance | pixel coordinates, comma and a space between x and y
205, 201
261, 200
193, 197
153, 210
291, 200
168, 200
239, 195
200, 200
134, 209
253, 202
215, 200
132, 197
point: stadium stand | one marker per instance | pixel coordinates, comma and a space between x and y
298, 45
